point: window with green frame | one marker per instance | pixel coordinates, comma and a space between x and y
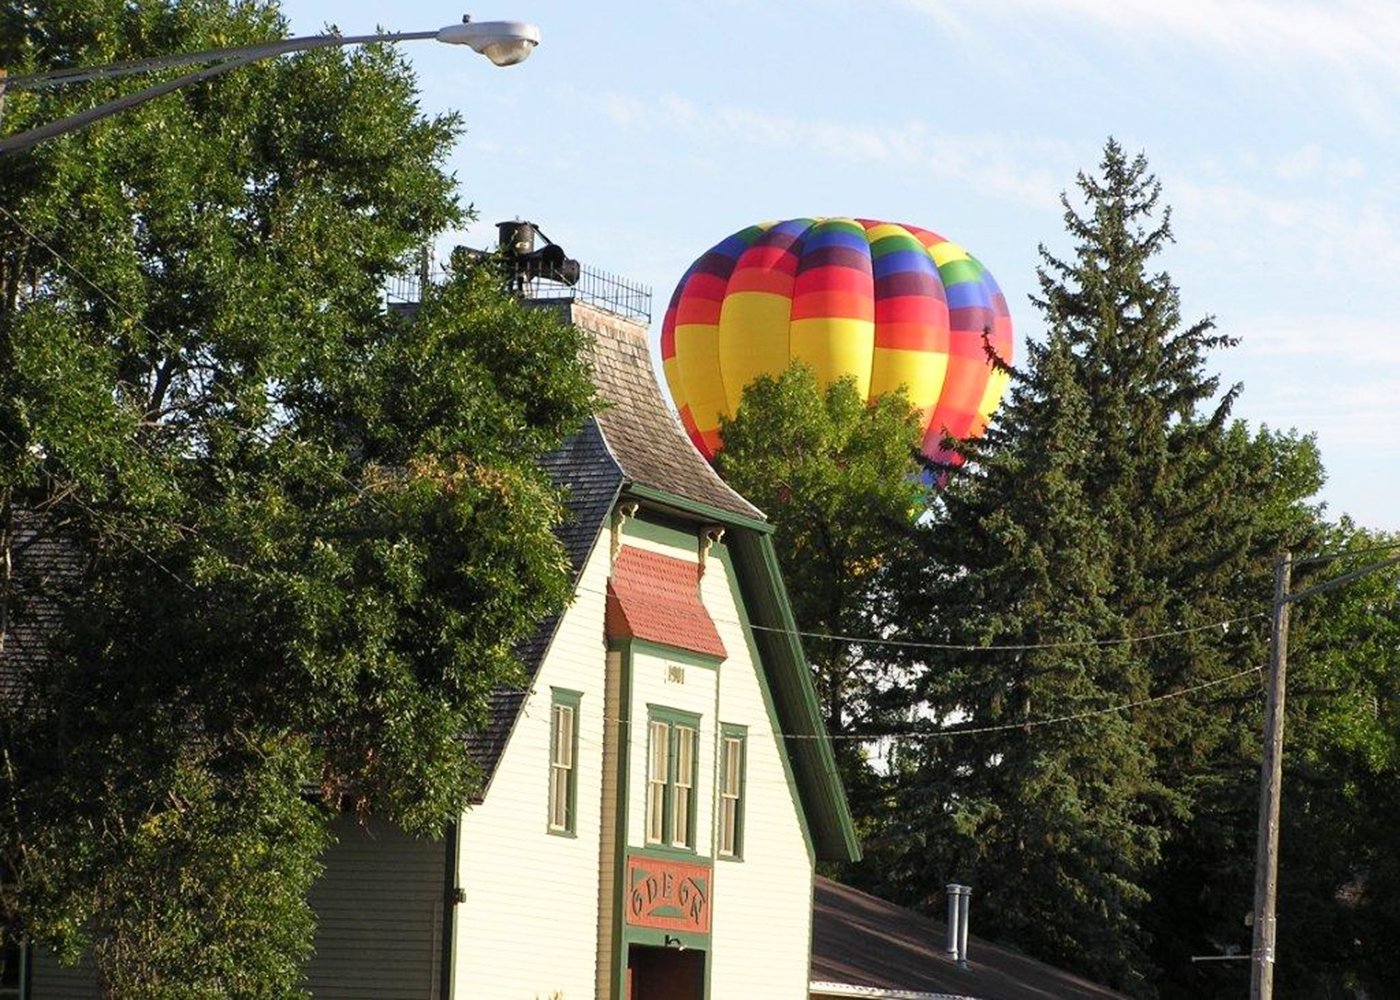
673, 763
563, 761
733, 747
14, 972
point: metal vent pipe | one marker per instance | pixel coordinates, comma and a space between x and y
959, 899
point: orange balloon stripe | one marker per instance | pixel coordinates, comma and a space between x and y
836, 303
760, 279
911, 336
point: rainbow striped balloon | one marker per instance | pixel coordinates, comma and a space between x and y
886, 303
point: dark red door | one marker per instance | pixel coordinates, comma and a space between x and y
665, 974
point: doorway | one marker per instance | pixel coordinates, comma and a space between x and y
665, 974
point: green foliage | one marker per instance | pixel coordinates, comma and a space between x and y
1339, 891
840, 482
302, 534
1112, 498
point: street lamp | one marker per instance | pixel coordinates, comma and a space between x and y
505, 43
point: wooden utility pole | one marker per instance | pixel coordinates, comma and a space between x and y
1261, 982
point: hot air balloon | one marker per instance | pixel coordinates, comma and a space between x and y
886, 303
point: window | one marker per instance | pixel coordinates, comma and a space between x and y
563, 751
731, 791
14, 971
672, 768
658, 778
683, 821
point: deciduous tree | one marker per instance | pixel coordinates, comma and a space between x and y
299, 533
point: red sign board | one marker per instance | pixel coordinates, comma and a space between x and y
668, 895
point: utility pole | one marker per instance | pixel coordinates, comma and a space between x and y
1261, 983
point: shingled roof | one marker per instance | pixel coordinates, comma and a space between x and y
865, 946
642, 433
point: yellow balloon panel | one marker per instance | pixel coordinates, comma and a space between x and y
697, 355
753, 340
920, 372
991, 396
836, 347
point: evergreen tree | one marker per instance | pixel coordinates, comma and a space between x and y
300, 534
1113, 498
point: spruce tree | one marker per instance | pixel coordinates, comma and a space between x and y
1113, 498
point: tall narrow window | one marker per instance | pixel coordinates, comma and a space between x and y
563, 751
731, 791
673, 758
658, 780
683, 827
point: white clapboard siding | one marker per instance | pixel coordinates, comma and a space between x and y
379, 916
762, 911
529, 925
761, 906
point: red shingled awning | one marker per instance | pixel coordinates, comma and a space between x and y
657, 598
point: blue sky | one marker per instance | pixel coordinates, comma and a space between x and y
640, 134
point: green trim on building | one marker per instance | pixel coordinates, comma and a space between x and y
684, 505
663, 534
624, 796
688, 657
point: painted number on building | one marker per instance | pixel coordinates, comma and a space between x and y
668, 895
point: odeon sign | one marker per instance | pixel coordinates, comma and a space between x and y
668, 895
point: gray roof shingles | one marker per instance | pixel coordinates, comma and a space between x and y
645, 437
863, 941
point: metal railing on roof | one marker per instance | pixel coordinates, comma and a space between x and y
595, 287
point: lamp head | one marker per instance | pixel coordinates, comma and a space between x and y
505, 43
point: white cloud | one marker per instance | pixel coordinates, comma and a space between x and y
1343, 32
1343, 48
1028, 170
1350, 341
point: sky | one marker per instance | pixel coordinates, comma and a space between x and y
640, 134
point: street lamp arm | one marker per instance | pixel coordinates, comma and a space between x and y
23, 140
1342, 580
246, 53
505, 43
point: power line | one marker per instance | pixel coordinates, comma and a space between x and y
1014, 647
1346, 553
960, 731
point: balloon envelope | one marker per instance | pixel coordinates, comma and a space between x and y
888, 304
